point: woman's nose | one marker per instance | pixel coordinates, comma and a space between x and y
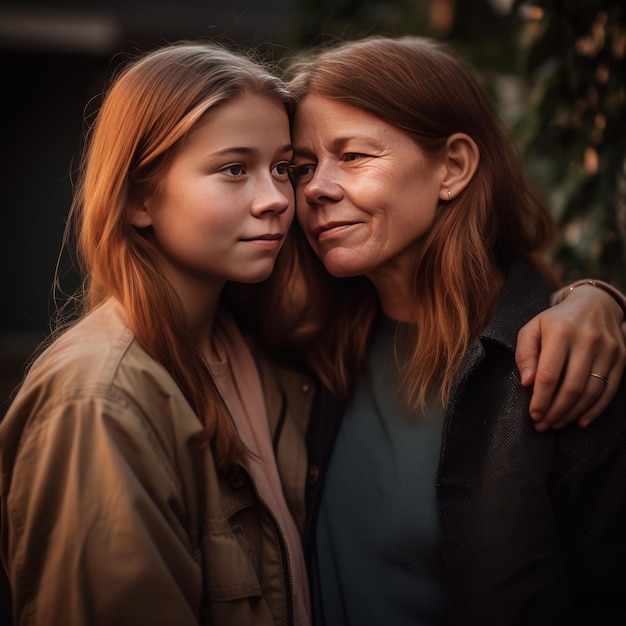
323, 185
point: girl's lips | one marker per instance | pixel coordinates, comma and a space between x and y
268, 241
265, 237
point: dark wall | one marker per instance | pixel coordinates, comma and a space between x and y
41, 113
54, 59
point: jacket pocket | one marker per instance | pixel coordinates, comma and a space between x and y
232, 541
229, 572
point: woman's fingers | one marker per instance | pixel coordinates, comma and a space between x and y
559, 350
580, 396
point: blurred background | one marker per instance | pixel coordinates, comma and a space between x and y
556, 70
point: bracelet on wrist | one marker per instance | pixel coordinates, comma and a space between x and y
612, 291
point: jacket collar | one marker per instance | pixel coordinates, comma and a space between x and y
524, 295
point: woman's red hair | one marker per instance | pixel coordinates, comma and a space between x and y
423, 88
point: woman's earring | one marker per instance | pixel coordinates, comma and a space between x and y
449, 194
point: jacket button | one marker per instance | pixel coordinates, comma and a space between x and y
313, 475
237, 478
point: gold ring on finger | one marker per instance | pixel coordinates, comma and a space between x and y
604, 379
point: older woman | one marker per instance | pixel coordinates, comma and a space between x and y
432, 499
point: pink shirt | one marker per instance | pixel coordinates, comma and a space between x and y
238, 380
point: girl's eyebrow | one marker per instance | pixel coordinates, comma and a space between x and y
248, 150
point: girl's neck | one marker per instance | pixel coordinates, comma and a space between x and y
200, 300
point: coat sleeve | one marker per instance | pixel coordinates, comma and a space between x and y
590, 504
93, 523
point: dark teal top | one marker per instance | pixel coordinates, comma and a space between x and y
378, 545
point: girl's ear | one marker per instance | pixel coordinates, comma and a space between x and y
462, 158
140, 215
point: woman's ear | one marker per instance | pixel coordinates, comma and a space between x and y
139, 214
462, 158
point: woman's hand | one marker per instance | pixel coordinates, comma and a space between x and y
574, 353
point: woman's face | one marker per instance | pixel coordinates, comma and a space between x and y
224, 206
365, 192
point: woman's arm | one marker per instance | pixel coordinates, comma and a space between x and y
557, 352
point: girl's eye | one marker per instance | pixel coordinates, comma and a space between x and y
234, 170
281, 170
302, 174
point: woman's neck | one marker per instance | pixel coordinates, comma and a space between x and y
394, 295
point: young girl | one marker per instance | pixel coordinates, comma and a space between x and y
138, 480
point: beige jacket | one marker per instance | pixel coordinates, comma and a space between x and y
110, 512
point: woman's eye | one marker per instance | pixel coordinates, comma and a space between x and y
354, 156
281, 170
234, 170
302, 173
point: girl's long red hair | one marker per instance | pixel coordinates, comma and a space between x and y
150, 107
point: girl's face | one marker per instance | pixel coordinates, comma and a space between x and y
223, 208
365, 192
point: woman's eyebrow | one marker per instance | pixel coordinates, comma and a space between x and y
305, 153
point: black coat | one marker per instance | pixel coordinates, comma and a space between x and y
533, 524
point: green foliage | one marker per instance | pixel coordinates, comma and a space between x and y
567, 62
574, 131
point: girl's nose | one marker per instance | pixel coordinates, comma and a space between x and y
273, 198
